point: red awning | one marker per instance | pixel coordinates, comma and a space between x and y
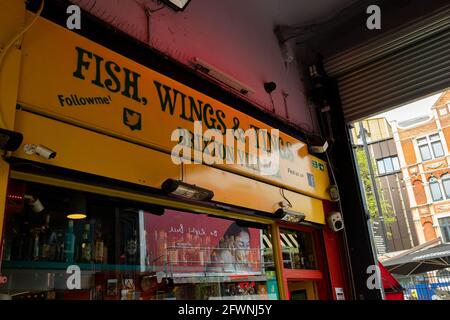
392, 288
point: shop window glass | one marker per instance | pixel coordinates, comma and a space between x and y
298, 249
127, 250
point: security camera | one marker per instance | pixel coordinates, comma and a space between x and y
45, 152
35, 204
289, 215
40, 150
318, 148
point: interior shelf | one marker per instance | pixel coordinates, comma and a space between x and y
49, 265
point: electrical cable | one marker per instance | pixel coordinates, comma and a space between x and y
5, 49
182, 171
284, 197
273, 104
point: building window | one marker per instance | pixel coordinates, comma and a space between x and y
436, 144
444, 224
443, 111
435, 189
426, 144
446, 184
388, 165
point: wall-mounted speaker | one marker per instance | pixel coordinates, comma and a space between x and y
335, 221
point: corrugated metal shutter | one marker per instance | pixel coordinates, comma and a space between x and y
395, 68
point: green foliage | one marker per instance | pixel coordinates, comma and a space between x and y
386, 208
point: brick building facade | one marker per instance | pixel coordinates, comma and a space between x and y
423, 145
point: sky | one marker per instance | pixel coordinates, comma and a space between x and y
411, 110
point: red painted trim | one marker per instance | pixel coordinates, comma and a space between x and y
336, 263
319, 275
301, 274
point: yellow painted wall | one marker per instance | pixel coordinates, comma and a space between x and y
94, 153
234, 189
12, 18
309, 286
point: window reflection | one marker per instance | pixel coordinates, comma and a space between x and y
129, 251
298, 250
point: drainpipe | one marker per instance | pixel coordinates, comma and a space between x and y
405, 215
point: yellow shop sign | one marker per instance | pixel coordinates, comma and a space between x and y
74, 79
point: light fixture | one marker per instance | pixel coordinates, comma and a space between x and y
76, 216
185, 190
77, 207
178, 5
34, 203
270, 86
290, 215
213, 72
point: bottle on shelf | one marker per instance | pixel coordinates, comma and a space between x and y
7, 243
85, 245
188, 249
69, 243
201, 252
45, 233
53, 247
172, 253
99, 244
21, 242
180, 247
106, 242
195, 254
207, 249
36, 245
59, 255
155, 244
162, 249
